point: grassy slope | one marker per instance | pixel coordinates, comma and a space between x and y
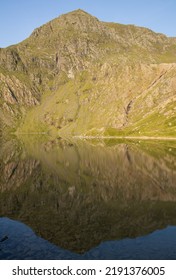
95, 103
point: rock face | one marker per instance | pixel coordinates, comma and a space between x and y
82, 76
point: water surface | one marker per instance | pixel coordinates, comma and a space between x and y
88, 200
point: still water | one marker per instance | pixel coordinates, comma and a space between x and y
110, 199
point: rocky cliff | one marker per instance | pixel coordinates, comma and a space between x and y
80, 76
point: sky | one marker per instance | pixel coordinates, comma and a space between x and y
18, 18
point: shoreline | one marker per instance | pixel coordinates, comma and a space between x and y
127, 137
165, 138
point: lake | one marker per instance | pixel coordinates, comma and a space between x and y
87, 199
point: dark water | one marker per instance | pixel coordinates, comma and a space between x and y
87, 200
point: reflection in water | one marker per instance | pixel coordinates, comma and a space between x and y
22, 243
80, 194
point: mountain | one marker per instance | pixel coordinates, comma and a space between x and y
77, 75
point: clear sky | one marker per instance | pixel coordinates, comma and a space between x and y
18, 18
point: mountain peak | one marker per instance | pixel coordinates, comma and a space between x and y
78, 12
79, 15
78, 19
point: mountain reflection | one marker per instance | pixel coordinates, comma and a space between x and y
78, 194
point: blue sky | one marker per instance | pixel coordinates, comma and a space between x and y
18, 18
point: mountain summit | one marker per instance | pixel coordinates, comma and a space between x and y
77, 75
